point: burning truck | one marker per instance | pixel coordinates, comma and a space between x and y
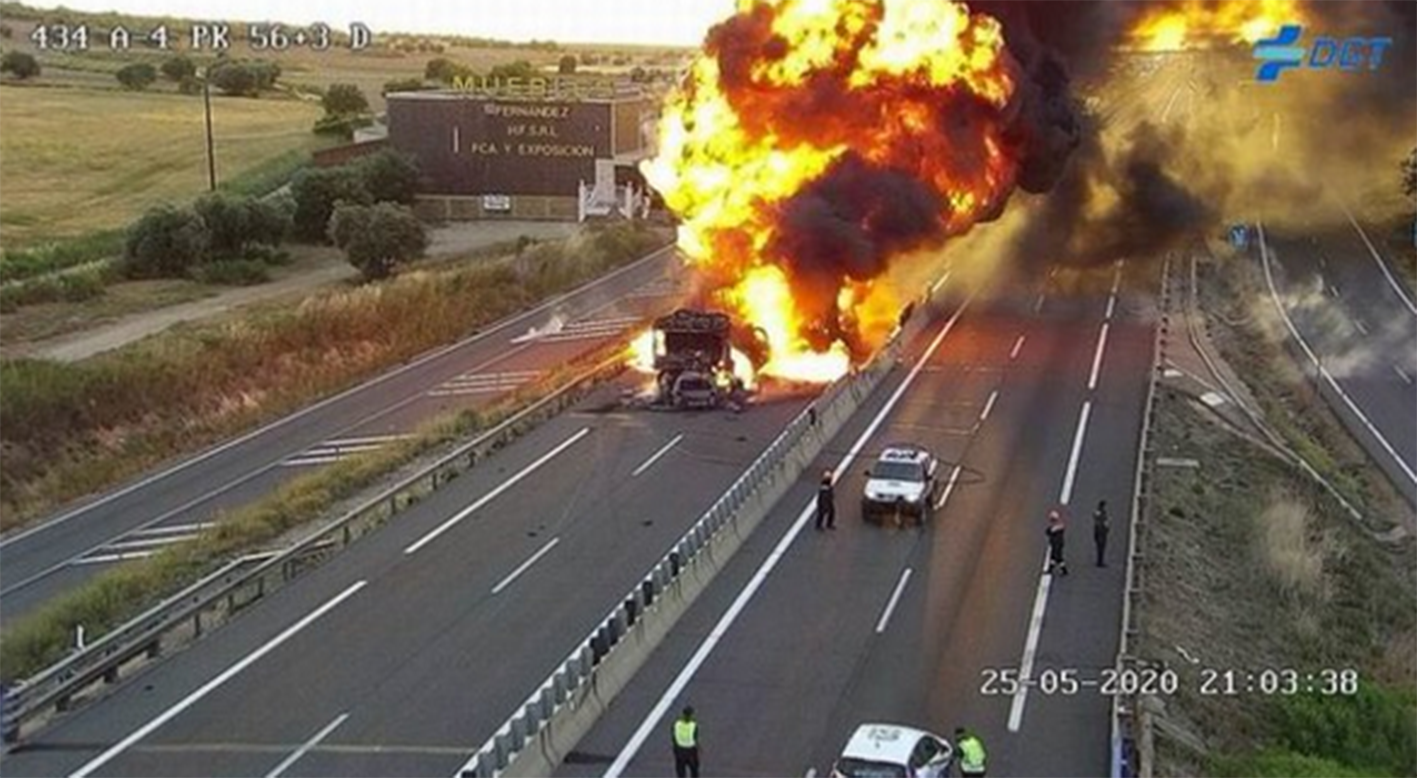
694, 361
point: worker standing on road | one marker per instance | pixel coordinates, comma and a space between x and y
1055, 531
826, 503
1101, 526
686, 744
971, 753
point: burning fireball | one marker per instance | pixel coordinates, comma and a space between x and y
812, 142
1195, 23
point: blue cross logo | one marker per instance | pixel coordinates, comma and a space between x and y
1279, 53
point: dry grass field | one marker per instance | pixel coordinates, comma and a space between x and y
79, 159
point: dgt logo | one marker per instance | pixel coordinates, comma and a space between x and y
1281, 52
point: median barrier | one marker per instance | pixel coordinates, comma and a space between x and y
581, 692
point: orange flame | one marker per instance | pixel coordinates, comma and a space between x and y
918, 87
645, 347
1199, 23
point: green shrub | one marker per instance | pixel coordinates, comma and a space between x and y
20, 63
164, 242
60, 254
82, 286
268, 255
179, 68
377, 238
344, 100
404, 85
232, 272
389, 176
235, 222
1283, 764
341, 126
1374, 730
136, 76
316, 192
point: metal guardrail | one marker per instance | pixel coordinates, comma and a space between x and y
1123, 736
578, 671
207, 603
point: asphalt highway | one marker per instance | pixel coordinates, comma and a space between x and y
423, 638
176, 502
1361, 324
1035, 407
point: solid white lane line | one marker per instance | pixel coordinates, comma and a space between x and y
505, 582
657, 456
1030, 649
950, 487
306, 746
1071, 476
1323, 371
1045, 583
492, 495
1097, 357
935, 287
1018, 347
656, 714
1401, 374
212, 685
1392, 282
895, 599
989, 406
1111, 307
1117, 278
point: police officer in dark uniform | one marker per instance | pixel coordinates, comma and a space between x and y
826, 503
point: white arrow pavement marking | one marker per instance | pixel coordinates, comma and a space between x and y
492, 495
212, 685
306, 746
656, 714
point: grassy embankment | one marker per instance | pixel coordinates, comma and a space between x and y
1250, 567
248, 372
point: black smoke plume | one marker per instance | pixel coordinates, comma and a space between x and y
849, 223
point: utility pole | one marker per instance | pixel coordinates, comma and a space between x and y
211, 154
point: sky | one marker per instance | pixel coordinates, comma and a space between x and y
676, 22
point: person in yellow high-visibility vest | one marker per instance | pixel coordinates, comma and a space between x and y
971, 753
686, 744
